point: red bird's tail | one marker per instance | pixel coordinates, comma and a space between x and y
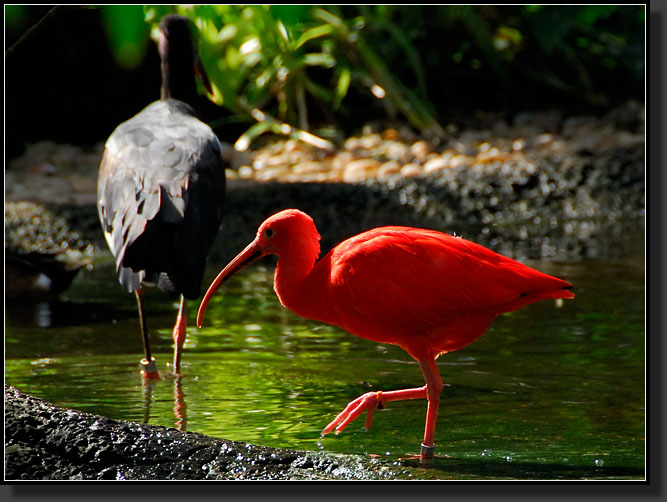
552, 288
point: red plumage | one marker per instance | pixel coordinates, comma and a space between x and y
423, 290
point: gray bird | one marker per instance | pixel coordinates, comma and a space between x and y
161, 185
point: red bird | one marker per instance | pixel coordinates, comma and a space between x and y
425, 291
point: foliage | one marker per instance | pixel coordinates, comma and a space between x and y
287, 65
14, 15
272, 62
576, 42
126, 32
586, 53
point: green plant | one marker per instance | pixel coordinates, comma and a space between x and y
280, 64
270, 62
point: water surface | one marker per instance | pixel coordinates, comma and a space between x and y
549, 392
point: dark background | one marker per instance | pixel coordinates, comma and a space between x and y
63, 84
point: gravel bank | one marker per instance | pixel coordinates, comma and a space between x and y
543, 187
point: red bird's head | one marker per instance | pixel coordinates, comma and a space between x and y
288, 230
289, 233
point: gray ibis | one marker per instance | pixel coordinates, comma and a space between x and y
161, 185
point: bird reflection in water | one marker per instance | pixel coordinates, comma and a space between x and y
179, 407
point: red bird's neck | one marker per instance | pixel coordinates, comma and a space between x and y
303, 285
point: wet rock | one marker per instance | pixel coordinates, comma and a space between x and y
42, 254
45, 442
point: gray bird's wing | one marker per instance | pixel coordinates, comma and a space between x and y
160, 197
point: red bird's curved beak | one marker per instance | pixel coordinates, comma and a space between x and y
251, 253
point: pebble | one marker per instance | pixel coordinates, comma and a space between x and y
292, 145
395, 150
411, 170
436, 164
491, 155
461, 160
370, 141
518, 144
390, 134
420, 149
245, 172
341, 160
271, 173
310, 167
544, 139
352, 144
359, 170
388, 168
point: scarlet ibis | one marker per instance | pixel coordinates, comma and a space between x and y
161, 187
425, 291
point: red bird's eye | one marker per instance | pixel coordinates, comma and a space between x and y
268, 232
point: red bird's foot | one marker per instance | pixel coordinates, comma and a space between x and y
149, 369
365, 402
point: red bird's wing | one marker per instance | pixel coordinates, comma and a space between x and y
395, 279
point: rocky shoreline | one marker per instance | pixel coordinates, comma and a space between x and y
46, 442
544, 188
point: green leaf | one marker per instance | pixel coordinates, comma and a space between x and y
15, 15
313, 33
589, 14
342, 87
290, 15
253, 132
324, 93
319, 59
127, 33
551, 26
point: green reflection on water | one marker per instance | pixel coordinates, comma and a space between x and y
547, 393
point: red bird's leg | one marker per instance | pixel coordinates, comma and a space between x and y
179, 334
433, 390
148, 366
370, 400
